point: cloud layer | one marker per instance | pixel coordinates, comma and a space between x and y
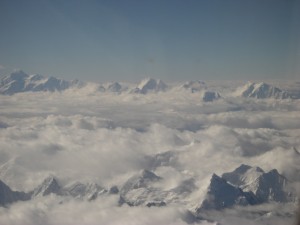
105, 138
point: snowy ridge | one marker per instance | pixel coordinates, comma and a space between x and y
243, 175
244, 186
267, 186
21, 82
262, 90
49, 185
88, 191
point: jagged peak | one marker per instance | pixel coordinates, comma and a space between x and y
215, 180
150, 84
114, 87
48, 186
146, 174
244, 168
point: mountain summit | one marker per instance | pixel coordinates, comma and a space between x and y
150, 85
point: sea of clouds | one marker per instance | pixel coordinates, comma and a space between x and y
88, 136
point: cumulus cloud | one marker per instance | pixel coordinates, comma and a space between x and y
51, 211
87, 136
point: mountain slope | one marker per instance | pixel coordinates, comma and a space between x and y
261, 91
220, 194
270, 186
150, 85
84, 191
8, 196
19, 81
49, 185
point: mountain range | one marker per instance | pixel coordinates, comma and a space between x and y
244, 186
19, 81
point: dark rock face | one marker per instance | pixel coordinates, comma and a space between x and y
221, 194
270, 186
113, 190
7, 196
209, 96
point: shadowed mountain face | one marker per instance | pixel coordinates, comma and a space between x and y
209, 96
220, 194
270, 186
245, 185
7, 196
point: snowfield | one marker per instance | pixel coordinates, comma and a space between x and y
149, 153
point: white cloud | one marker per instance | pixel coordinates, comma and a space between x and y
102, 211
105, 138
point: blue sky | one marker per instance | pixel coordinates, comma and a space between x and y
128, 40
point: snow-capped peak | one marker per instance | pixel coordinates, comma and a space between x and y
19, 81
261, 90
243, 175
220, 194
49, 185
267, 186
150, 85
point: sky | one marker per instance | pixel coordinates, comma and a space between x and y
173, 40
